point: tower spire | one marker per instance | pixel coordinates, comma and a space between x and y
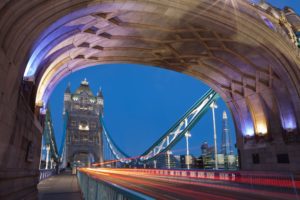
226, 148
68, 89
84, 82
99, 93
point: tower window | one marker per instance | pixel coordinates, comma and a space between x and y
83, 126
255, 158
283, 158
93, 125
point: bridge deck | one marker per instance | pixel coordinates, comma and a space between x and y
60, 187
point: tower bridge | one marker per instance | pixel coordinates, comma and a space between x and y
247, 51
83, 140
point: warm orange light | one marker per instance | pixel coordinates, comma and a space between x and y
262, 128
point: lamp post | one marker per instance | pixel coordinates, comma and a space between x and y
187, 160
51, 163
213, 107
168, 159
169, 152
47, 155
154, 162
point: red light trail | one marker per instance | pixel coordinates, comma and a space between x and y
160, 184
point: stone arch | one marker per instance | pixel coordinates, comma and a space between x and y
221, 57
230, 45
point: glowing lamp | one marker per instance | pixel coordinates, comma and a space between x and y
262, 128
289, 123
248, 130
43, 111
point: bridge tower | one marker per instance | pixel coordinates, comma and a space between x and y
84, 132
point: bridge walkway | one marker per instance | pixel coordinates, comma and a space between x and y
60, 187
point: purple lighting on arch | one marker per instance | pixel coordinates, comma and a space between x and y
268, 22
289, 122
248, 128
249, 131
55, 33
48, 39
44, 47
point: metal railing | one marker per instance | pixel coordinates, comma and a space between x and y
46, 173
95, 189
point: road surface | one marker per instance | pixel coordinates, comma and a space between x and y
164, 187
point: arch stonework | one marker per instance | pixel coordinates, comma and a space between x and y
246, 52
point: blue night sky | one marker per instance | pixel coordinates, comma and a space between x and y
142, 102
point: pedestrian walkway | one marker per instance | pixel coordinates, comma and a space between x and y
60, 187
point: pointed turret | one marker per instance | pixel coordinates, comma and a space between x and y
67, 95
293, 19
84, 82
84, 87
68, 89
99, 93
100, 97
224, 115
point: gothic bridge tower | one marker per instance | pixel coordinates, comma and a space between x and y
84, 131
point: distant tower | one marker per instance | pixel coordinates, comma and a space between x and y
204, 148
83, 129
226, 147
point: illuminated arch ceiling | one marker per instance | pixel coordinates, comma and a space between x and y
236, 47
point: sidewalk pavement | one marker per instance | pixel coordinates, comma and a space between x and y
60, 187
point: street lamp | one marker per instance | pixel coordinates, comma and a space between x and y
213, 107
51, 163
168, 159
187, 160
47, 155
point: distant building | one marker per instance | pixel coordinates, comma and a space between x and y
207, 158
227, 154
185, 160
199, 163
84, 131
207, 154
165, 161
226, 147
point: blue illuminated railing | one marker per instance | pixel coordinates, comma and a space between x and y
49, 136
183, 125
46, 173
65, 116
116, 151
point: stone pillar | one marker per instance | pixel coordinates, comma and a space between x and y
21, 136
